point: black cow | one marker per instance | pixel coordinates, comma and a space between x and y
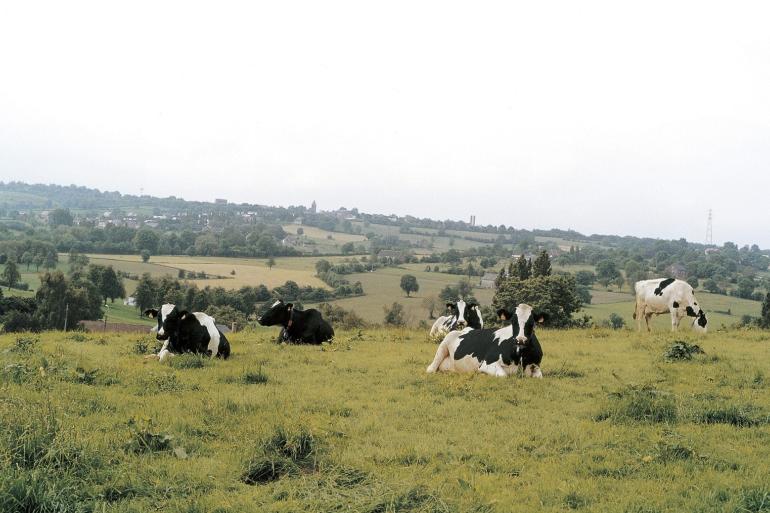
185, 332
298, 326
495, 352
460, 315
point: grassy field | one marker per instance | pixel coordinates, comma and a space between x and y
89, 425
383, 288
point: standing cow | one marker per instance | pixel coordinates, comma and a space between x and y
185, 332
460, 315
659, 296
495, 352
298, 326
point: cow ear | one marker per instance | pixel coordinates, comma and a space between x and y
289, 305
151, 313
504, 314
450, 305
473, 305
183, 314
541, 317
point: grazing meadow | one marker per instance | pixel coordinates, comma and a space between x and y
621, 422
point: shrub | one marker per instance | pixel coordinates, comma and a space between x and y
738, 416
681, 350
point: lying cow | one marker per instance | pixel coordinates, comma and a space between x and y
298, 326
185, 332
460, 315
495, 352
659, 296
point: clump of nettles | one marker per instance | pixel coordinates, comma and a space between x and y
681, 350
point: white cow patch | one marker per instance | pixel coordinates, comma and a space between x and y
165, 310
208, 322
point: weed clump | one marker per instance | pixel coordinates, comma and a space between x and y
681, 351
257, 377
24, 345
142, 438
281, 454
640, 404
190, 361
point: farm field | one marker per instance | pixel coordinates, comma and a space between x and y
89, 425
320, 240
248, 271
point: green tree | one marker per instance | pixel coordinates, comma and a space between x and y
322, 266
606, 272
270, 262
764, 320
409, 284
62, 301
50, 260
394, 315
26, 258
146, 239
77, 262
585, 278
145, 293
542, 265
522, 268
431, 304
11, 275
37, 261
347, 248
556, 295
145, 254
108, 283
60, 217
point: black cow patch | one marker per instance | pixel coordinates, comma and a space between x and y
690, 312
702, 320
662, 285
481, 344
676, 304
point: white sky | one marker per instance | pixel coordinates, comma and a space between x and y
601, 117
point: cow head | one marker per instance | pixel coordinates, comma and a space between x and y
465, 315
523, 323
169, 317
279, 313
699, 323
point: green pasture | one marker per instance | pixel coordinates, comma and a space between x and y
90, 425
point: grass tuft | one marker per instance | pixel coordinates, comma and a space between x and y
190, 361
640, 404
738, 416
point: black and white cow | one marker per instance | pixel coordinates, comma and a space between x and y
185, 332
495, 352
659, 296
298, 326
460, 315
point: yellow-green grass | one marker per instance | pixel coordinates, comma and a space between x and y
383, 435
118, 312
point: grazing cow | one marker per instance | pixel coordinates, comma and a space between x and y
494, 352
459, 316
298, 326
659, 296
185, 332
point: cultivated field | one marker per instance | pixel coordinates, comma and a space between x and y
89, 425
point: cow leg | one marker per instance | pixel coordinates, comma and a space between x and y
446, 365
647, 317
675, 320
442, 354
533, 371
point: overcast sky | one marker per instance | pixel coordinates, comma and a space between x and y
606, 118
